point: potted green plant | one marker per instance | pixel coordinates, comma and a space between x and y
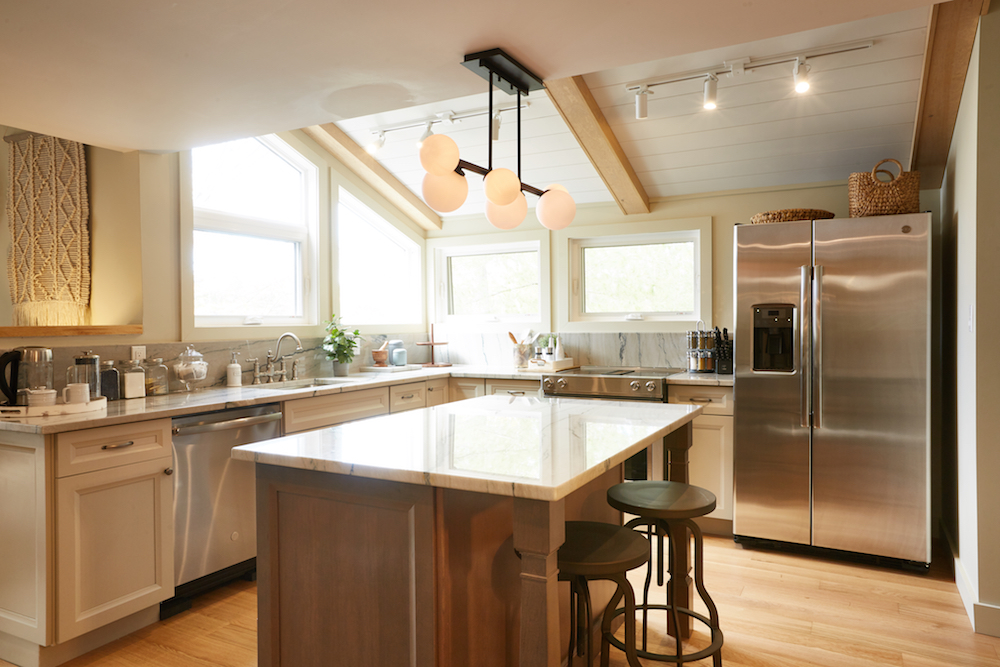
340, 345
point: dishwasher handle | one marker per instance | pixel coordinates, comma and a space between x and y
207, 427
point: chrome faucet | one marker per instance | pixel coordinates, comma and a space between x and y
269, 371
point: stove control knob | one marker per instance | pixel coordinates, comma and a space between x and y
650, 386
547, 384
634, 384
561, 383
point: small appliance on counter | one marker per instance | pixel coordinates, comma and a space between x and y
25, 370
86, 369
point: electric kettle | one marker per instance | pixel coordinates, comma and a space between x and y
25, 369
10, 363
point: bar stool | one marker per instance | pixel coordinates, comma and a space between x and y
595, 550
669, 507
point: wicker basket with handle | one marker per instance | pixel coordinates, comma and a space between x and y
869, 195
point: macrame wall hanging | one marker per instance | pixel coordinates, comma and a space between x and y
49, 262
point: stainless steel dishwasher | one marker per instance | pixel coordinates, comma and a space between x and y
214, 506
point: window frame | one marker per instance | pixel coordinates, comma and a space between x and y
290, 148
569, 290
439, 250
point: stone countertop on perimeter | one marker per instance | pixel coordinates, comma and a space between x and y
526, 447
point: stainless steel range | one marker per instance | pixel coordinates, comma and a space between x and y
610, 382
614, 383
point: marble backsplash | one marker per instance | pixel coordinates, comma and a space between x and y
603, 349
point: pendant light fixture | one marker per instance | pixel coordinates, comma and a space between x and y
711, 90
445, 187
800, 74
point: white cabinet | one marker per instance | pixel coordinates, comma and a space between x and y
305, 414
512, 387
114, 524
460, 389
711, 456
437, 392
409, 396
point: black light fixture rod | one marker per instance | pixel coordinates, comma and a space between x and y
464, 166
518, 135
489, 126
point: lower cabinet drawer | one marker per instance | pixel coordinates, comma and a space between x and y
92, 449
714, 400
512, 387
306, 414
409, 396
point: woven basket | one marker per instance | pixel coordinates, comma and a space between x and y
869, 195
790, 214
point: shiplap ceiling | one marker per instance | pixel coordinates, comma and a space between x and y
861, 108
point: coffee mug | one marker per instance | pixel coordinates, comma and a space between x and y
76, 392
40, 397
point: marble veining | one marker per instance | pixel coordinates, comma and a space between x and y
528, 447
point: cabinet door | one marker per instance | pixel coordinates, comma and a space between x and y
512, 387
409, 396
461, 388
437, 392
711, 461
114, 544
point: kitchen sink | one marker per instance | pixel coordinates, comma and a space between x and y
307, 383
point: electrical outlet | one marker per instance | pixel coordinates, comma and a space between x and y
138, 352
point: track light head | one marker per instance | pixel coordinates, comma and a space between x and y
711, 88
376, 143
428, 132
641, 108
495, 127
800, 74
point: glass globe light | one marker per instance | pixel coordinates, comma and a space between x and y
501, 186
445, 193
509, 216
438, 154
555, 209
556, 186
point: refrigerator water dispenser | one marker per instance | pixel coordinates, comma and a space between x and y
773, 337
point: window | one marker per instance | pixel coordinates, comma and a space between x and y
255, 204
489, 283
636, 277
379, 268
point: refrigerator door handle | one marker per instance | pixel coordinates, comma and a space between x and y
805, 375
817, 347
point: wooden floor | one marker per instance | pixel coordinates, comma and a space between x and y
777, 610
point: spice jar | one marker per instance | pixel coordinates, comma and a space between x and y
133, 379
156, 377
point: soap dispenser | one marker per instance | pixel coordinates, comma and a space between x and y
234, 372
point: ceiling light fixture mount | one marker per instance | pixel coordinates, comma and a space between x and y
445, 188
739, 66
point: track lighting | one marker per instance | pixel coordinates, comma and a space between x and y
428, 132
711, 88
444, 186
495, 127
641, 103
800, 74
376, 143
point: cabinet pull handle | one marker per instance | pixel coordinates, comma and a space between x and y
407, 396
119, 446
515, 393
700, 400
168, 471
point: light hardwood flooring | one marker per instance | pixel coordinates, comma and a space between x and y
777, 610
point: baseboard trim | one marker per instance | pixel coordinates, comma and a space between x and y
28, 654
985, 618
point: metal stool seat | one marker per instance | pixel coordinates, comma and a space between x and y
595, 550
668, 507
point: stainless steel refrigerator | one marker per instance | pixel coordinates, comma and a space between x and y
832, 396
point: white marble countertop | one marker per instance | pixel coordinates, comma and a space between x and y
221, 398
711, 379
540, 448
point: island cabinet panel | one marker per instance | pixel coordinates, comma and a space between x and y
437, 392
463, 388
24, 544
116, 544
306, 414
346, 570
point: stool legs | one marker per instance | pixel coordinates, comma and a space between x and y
624, 590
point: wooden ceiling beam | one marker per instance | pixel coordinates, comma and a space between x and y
951, 34
578, 108
355, 158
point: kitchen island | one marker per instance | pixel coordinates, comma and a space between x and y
430, 537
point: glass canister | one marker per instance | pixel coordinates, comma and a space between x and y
133, 379
190, 367
156, 377
110, 381
86, 369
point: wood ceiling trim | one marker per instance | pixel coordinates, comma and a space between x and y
575, 103
951, 34
355, 158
